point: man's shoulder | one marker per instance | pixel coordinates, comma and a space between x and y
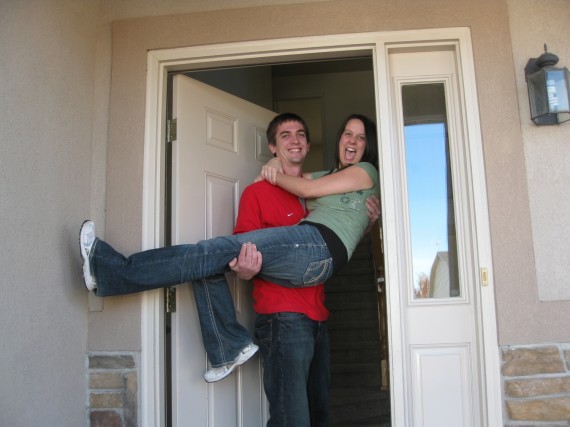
255, 186
264, 188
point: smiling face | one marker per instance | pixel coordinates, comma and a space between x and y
291, 145
352, 143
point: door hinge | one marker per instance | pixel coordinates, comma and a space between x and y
171, 130
171, 300
484, 277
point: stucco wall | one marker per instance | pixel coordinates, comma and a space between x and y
505, 167
547, 155
47, 56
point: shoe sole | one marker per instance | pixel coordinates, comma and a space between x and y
240, 360
88, 277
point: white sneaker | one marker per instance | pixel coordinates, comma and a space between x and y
217, 374
86, 240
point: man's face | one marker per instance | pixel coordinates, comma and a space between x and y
291, 146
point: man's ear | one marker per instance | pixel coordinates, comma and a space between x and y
273, 149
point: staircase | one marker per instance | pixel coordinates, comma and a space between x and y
351, 295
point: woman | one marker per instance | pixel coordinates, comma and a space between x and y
303, 255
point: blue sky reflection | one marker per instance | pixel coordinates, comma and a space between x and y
427, 192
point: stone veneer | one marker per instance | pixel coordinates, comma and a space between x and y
112, 389
536, 385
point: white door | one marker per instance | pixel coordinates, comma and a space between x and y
442, 345
219, 149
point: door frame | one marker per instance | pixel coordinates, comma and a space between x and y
160, 62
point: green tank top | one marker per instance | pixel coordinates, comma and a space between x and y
344, 214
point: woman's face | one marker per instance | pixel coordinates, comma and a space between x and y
352, 143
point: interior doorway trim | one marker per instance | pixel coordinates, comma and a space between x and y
377, 44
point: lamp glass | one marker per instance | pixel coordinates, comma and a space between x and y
549, 95
557, 90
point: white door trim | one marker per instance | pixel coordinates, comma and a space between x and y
160, 62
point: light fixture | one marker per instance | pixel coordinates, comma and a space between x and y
548, 90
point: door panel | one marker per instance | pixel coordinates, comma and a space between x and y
441, 337
219, 150
441, 385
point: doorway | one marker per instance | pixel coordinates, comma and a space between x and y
411, 386
323, 92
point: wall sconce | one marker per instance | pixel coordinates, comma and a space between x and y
548, 90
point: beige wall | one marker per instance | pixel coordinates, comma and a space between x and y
47, 57
501, 131
547, 155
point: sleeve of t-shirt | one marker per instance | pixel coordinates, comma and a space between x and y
249, 213
372, 173
318, 174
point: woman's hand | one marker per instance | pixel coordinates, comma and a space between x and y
270, 169
269, 174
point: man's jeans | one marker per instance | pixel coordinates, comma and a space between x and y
294, 351
294, 256
222, 335
296, 376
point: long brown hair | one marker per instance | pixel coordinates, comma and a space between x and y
371, 148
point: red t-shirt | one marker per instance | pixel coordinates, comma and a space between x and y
263, 205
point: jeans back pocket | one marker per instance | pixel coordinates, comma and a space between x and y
317, 272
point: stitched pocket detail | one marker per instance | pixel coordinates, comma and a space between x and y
317, 272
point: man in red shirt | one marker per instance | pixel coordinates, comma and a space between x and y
290, 327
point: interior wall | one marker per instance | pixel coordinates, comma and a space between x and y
547, 154
47, 52
503, 151
341, 94
324, 93
250, 83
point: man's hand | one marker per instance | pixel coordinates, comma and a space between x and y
248, 263
372, 211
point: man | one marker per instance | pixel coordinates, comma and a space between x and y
291, 322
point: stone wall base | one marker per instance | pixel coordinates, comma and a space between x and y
536, 385
112, 389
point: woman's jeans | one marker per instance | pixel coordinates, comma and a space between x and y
294, 256
296, 375
222, 335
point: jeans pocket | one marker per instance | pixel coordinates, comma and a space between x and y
317, 272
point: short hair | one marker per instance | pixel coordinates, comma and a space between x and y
283, 118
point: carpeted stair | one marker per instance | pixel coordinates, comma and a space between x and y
357, 398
